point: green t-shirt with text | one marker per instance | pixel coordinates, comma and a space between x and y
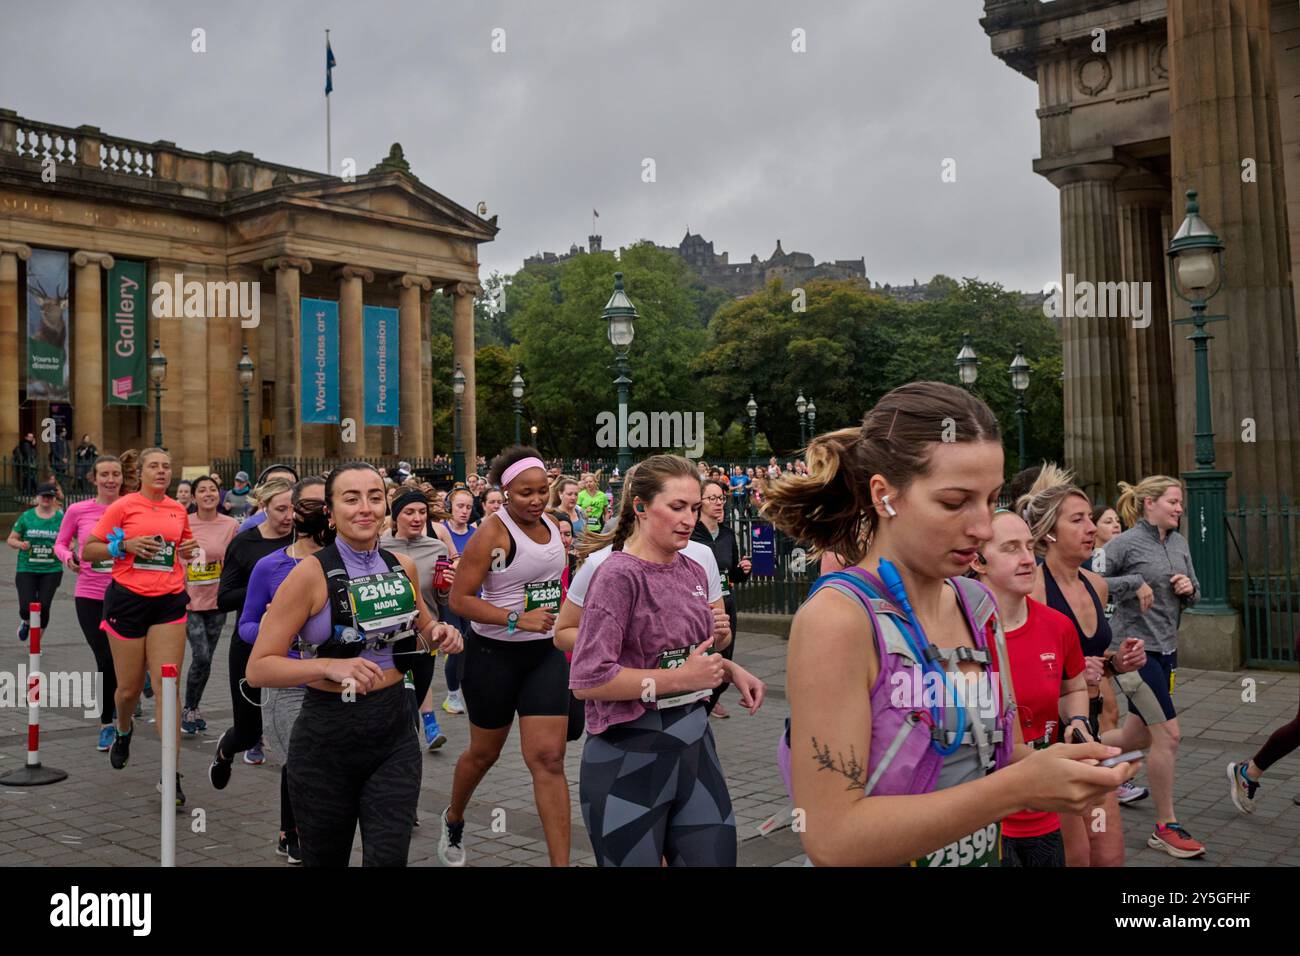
39, 533
593, 504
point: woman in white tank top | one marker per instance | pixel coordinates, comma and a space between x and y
510, 665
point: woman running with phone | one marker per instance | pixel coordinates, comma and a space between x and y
936, 780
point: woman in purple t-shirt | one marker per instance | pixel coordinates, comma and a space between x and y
644, 665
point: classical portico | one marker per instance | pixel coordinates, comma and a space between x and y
1140, 101
383, 239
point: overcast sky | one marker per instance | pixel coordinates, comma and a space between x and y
836, 151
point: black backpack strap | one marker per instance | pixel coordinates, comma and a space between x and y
336, 586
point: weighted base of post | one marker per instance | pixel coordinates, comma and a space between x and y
36, 776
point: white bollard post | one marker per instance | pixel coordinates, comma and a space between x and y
33, 774
167, 696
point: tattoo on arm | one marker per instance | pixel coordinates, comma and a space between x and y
851, 769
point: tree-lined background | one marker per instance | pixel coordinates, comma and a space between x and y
697, 348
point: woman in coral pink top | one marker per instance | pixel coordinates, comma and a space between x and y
92, 579
147, 536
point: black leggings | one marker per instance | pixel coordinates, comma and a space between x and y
90, 612
1283, 740
355, 761
33, 586
247, 729
422, 667
727, 654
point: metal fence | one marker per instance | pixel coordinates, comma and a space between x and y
228, 467
1265, 537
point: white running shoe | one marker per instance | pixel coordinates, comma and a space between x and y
1127, 792
454, 704
450, 851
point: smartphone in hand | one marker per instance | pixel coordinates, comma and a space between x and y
1122, 758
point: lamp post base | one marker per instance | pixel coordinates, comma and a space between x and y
1207, 496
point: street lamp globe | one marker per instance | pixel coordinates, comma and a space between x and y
245, 369
620, 313
967, 362
1197, 255
1019, 370
812, 414
801, 404
751, 407
517, 384
458, 381
157, 364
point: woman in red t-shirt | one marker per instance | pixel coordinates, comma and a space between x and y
147, 536
1047, 672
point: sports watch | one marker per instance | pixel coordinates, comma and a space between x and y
512, 621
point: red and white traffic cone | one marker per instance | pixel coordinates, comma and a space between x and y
33, 774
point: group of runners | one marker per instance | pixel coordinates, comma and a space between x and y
953, 681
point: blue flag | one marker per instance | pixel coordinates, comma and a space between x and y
329, 65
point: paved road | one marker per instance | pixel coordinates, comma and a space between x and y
102, 817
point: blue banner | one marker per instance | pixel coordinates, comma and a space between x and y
382, 342
762, 554
320, 361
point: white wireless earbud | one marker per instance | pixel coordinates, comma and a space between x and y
1052, 538
889, 509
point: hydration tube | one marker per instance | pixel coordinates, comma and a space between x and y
889, 576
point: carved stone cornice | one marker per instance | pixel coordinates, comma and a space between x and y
280, 263
82, 258
19, 249
352, 272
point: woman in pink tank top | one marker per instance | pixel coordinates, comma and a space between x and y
510, 664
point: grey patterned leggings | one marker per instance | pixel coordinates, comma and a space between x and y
653, 788
203, 629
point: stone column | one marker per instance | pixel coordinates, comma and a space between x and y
10, 326
411, 416
1096, 390
288, 360
1223, 97
88, 399
1153, 442
352, 379
462, 338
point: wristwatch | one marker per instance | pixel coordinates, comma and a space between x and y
512, 621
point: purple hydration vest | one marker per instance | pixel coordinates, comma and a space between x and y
901, 759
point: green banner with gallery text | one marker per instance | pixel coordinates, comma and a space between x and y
125, 335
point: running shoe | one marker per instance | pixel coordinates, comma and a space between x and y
719, 711
188, 727
148, 687
289, 848
180, 794
454, 703
1176, 841
120, 751
23, 628
106, 735
433, 734
1129, 792
1243, 789
450, 852
199, 722
254, 756
219, 770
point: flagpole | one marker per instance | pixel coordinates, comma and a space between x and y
329, 159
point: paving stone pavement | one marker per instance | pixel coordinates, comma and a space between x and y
98, 816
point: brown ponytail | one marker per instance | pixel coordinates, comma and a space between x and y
830, 508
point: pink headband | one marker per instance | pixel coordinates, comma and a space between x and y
513, 471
